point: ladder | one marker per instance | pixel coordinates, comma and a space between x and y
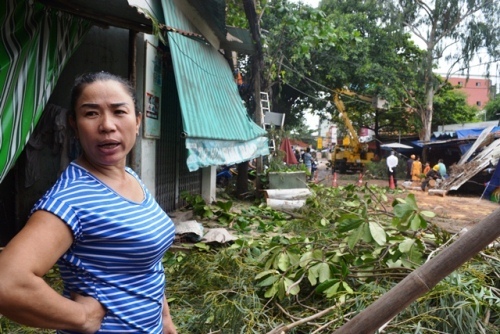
264, 102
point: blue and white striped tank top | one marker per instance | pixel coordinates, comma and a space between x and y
117, 249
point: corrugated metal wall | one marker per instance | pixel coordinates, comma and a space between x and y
172, 175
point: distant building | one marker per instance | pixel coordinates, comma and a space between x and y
479, 91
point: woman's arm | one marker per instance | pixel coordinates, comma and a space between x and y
168, 324
25, 297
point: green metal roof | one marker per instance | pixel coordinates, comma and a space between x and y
213, 12
210, 102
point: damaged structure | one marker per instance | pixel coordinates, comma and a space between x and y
478, 150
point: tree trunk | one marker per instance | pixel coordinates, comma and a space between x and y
257, 65
242, 178
424, 278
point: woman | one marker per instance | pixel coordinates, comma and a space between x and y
102, 226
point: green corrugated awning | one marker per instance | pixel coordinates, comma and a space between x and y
35, 45
217, 126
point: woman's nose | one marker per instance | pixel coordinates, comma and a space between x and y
107, 123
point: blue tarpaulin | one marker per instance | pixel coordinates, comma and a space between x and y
471, 133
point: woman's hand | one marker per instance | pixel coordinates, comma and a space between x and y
168, 324
94, 312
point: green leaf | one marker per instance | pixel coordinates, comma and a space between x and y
406, 245
265, 273
312, 275
415, 222
349, 222
411, 201
355, 236
225, 206
268, 281
305, 259
325, 285
347, 287
293, 258
324, 272
293, 291
400, 210
429, 214
378, 233
272, 291
367, 235
283, 261
332, 291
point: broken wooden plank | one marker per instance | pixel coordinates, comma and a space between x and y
489, 155
441, 192
482, 137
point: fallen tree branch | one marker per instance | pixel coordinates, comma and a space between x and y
284, 328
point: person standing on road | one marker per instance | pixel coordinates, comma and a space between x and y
416, 170
307, 159
102, 226
409, 166
392, 164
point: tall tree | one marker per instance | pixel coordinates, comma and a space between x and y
454, 30
492, 109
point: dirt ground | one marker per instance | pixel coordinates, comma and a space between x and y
453, 211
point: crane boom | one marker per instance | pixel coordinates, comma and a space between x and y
341, 108
354, 155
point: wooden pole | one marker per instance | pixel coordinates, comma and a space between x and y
424, 278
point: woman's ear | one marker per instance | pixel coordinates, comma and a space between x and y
138, 122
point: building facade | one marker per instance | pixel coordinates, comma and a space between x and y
478, 90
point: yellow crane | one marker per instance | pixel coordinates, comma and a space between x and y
351, 155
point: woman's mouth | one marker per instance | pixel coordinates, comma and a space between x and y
108, 145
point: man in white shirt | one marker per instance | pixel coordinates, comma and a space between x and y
392, 163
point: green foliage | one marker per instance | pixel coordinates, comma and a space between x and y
346, 247
493, 109
408, 216
450, 107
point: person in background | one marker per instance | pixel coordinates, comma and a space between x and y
442, 169
409, 165
427, 168
432, 174
297, 155
392, 164
102, 226
416, 170
307, 160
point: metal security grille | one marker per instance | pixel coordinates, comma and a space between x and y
172, 175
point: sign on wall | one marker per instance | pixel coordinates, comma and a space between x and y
152, 86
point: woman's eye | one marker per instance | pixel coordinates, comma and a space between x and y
90, 113
119, 112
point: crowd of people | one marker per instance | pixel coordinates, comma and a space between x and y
415, 171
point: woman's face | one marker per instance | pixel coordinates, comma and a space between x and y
106, 123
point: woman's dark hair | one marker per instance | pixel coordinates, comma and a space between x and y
85, 79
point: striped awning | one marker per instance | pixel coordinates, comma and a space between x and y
217, 126
35, 45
